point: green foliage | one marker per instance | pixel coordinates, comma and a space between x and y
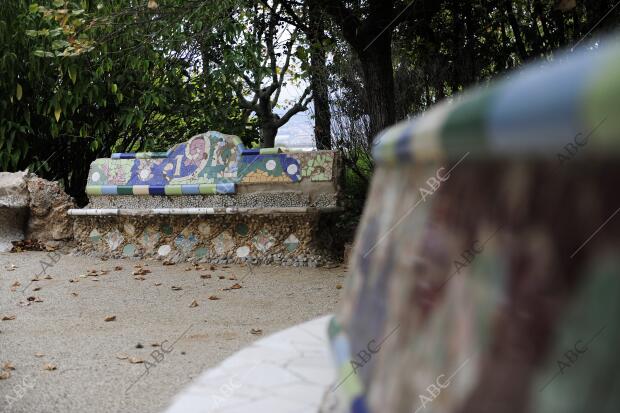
77, 84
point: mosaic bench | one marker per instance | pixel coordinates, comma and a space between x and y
214, 200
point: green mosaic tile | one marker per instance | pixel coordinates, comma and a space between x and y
173, 190
129, 250
95, 236
242, 229
200, 252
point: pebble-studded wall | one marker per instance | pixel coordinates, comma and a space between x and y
287, 239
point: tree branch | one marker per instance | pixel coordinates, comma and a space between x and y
300, 106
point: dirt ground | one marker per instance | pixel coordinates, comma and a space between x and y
67, 358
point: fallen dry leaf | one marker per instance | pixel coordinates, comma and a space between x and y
16, 284
110, 318
8, 317
205, 276
256, 331
5, 375
94, 279
10, 267
37, 354
235, 287
49, 367
155, 345
48, 277
212, 268
214, 297
193, 304
135, 360
35, 279
221, 277
141, 271
157, 284
188, 269
74, 294
118, 268
74, 280
122, 356
139, 278
175, 288
8, 366
36, 288
168, 262
338, 286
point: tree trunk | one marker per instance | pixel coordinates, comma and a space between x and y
318, 79
268, 132
379, 84
516, 30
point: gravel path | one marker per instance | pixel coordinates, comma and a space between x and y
67, 329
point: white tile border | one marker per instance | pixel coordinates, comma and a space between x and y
287, 372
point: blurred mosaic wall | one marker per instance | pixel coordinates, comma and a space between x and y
485, 274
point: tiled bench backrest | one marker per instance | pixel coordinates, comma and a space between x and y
210, 163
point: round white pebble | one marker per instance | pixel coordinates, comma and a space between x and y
164, 250
270, 165
243, 251
96, 176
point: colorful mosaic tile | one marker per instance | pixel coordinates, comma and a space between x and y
210, 163
185, 243
114, 239
204, 229
291, 243
95, 236
223, 243
209, 158
206, 164
129, 229
150, 237
263, 241
270, 168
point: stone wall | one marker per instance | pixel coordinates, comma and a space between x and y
48, 221
33, 208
